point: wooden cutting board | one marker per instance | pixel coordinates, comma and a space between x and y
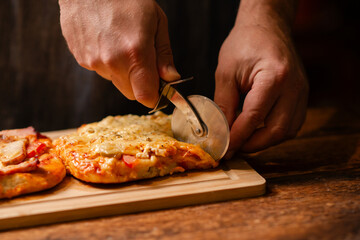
73, 199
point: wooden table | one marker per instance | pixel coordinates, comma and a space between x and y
313, 193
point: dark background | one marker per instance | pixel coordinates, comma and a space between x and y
42, 85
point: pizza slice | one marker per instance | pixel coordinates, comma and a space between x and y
126, 148
27, 163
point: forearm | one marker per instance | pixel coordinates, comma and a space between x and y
278, 14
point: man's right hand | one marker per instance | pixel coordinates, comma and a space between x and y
125, 41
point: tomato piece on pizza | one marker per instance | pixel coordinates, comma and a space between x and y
35, 148
129, 160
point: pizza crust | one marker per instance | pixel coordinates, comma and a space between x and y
49, 173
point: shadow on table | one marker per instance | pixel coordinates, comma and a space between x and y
329, 141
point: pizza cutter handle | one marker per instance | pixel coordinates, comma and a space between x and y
170, 94
164, 91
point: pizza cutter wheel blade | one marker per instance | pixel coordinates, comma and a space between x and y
197, 120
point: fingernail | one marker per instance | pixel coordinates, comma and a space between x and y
172, 73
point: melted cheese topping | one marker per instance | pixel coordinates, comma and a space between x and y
141, 136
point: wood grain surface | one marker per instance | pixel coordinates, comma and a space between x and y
313, 192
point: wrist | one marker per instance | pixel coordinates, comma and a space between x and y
268, 14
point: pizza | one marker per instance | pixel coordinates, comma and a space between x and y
27, 163
126, 148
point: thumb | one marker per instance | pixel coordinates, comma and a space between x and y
164, 57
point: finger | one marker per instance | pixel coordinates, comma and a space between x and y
144, 77
113, 71
277, 125
258, 103
124, 86
227, 94
164, 56
299, 117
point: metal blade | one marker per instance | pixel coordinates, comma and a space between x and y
196, 120
217, 138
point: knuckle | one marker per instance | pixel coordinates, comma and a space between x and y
275, 72
281, 71
108, 59
133, 51
94, 63
130, 53
85, 59
255, 118
164, 50
279, 132
136, 72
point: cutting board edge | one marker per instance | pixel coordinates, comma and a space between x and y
151, 194
132, 207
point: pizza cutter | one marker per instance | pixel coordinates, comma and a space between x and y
196, 119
